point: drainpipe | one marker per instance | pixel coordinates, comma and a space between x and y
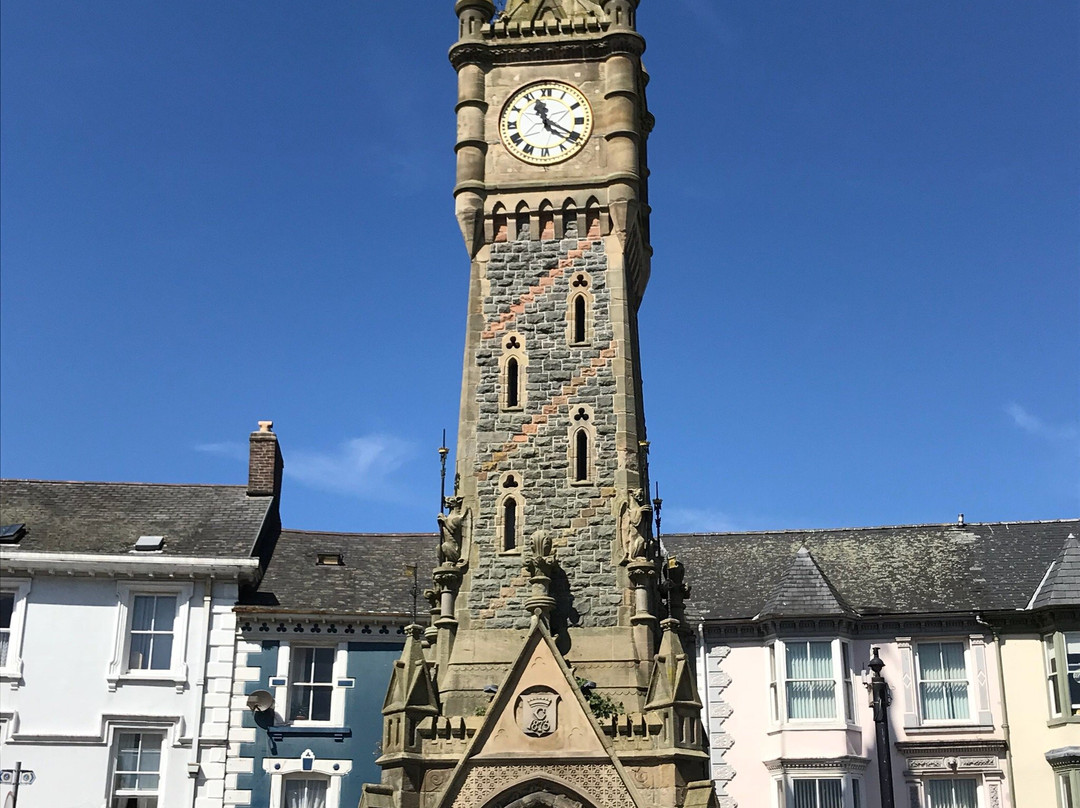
193, 766
1004, 708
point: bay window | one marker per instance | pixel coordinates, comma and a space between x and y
1065, 790
943, 681
817, 792
827, 787
1062, 655
815, 679
960, 793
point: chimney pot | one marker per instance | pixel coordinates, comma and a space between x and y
960, 519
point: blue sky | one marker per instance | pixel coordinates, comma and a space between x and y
864, 300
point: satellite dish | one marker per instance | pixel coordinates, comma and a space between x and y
260, 700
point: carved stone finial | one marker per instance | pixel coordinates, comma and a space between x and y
540, 561
539, 554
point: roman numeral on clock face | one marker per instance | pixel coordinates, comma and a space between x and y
545, 122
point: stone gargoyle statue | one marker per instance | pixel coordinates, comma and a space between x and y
452, 531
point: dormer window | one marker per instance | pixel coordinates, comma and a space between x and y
330, 560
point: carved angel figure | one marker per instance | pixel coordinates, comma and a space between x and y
635, 523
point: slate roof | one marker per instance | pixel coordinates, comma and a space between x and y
83, 517
804, 590
371, 581
1062, 584
911, 569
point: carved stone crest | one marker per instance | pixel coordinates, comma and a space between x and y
538, 712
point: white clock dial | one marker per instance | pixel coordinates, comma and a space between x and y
545, 122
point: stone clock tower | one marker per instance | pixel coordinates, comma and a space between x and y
552, 672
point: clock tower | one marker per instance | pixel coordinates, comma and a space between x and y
553, 670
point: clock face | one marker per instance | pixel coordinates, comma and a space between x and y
545, 122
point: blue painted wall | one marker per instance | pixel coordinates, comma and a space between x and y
370, 665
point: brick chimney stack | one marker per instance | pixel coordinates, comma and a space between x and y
265, 464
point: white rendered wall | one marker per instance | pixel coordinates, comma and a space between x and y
59, 718
743, 735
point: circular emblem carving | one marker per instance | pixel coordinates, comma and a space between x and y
538, 712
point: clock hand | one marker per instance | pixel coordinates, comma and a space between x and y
556, 128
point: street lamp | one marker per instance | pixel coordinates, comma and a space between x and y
880, 699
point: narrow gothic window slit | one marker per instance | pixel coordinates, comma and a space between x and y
512, 383
510, 516
581, 456
579, 319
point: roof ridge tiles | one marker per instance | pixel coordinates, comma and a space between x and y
413, 534
122, 482
855, 528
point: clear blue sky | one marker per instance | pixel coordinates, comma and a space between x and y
865, 289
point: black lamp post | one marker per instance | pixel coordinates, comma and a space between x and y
879, 690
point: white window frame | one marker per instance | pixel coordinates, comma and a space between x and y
170, 732
979, 787
307, 766
177, 672
282, 682
969, 679
1055, 648
778, 683
12, 669
1071, 777
157, 793
784, 786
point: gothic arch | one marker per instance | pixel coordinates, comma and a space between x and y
569, 219
513, 364
547, 221
498, 222
593, 225
521, 221
538, 793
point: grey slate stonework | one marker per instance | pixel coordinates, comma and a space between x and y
86, 517
535, 277
803, 590
370, 581
1061, 586
912, 569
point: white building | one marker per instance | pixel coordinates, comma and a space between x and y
117, 633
